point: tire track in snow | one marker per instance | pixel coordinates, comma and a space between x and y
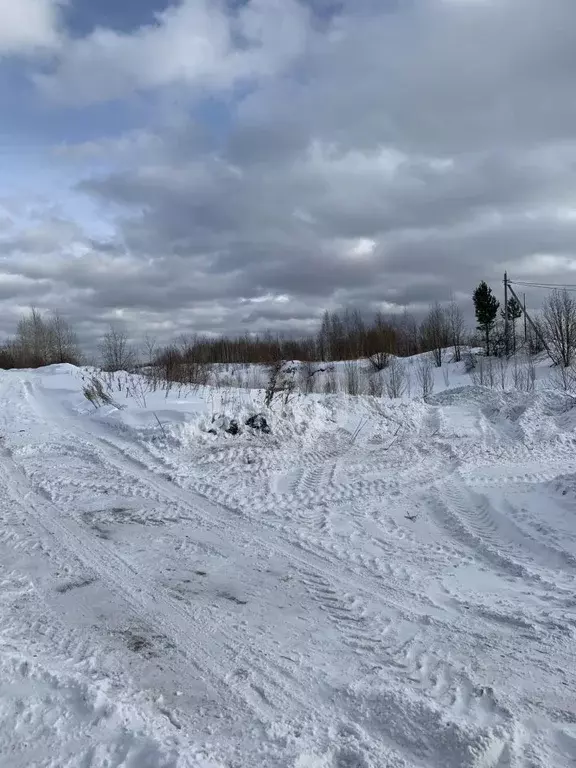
337, 594
219, 512
501, 532
222, 515
151, 604
317, 466
114, 454
403, 651
466, 516
341, 599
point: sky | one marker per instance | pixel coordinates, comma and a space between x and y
232, 166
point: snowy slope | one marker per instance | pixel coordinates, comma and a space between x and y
376, 583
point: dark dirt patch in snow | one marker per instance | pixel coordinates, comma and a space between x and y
147, 644
70, 585
232, 598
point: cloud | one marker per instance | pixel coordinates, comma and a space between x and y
385, 154
196, 43
28, 26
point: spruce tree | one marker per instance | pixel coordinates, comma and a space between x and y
514, 311
486, 308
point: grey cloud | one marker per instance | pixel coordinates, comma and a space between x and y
442, 131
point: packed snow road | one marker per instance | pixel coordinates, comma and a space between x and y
375, 583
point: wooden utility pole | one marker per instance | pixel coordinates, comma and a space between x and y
525, 321
506, 320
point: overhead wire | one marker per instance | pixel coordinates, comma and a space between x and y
571, 287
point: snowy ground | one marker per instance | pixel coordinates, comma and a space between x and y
376, 583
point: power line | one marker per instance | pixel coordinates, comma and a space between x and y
549, 286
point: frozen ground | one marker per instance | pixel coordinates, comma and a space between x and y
374, 584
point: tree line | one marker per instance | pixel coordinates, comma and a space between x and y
42, 339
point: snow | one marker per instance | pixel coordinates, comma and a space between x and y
377, 583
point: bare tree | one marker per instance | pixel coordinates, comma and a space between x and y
352, 377
62, 340
435, 332
408, 340
490, 372
151, 348
477, 372
503, 372
457, 328
33, 340
425, 376
534, 336
524, 372
530, 374
331, 382
116, 353
281, 381
559, 324
396, 378
565, 378
375, 385
518, 374
310, 374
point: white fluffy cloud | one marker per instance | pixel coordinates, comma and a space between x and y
28, 26
197, 42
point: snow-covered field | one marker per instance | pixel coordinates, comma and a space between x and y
377, 583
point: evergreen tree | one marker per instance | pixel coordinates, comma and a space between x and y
514, 311
486, 308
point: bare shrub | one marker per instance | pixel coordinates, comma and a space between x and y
490, 372
564, 378
396, 378
518, 374
272, 387
535, 336
138, 388
116, 353
435, 333
470, 360
523, 373
478, 373
530, 374
503, 372
150, 349
375, 385
184, 366
97, 393
484, 374
281, 381
425, 376
457, 329
559, 326
310, 375
379, 360
352, 377
330, 383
